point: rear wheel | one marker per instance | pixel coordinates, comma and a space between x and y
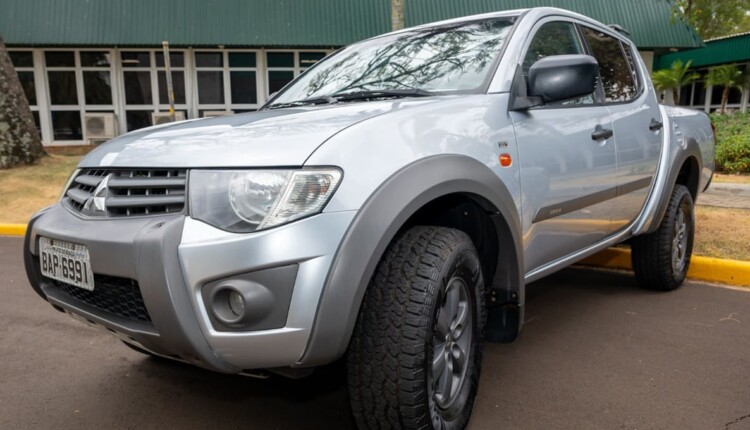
415, 354
661, 259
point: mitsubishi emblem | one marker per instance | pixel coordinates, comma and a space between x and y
96, 204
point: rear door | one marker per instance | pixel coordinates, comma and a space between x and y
636, 120
567, 176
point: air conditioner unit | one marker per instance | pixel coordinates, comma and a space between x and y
99, 125
210, 113
158, 118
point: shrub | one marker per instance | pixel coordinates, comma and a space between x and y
732, 142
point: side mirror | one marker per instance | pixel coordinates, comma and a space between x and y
563, 77
556, 78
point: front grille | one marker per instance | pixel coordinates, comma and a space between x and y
130, 192
113, 295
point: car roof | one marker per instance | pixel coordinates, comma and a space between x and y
531, 13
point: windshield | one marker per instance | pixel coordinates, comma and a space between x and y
430, 60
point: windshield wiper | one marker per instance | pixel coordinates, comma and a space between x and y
306, 102
374, 94
354, 95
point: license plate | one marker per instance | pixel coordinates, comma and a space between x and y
66, 262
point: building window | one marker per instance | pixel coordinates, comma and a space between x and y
60, 58
226, 80
308, 59
97, 77
66, 125
23, 61
78, 81
177, 66
62, 87
144, 79
210, 76
281, 70
136, 119
685, 94
243, 79
699, 94
133, 83
283, 66
137, 87
735, 96
210, 87
65, 109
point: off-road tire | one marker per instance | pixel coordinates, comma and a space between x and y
390, 357
652, 254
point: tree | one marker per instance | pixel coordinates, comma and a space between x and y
728, 76
714, 18
397, 15
19, 140
674, 78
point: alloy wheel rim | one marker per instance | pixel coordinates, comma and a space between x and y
679, 241
452, 343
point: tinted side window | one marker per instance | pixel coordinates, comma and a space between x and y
553, 38
615, 71
631, 62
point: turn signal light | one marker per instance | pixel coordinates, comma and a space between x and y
505, 160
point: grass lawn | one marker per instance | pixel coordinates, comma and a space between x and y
24, 190
730, 178
720, 232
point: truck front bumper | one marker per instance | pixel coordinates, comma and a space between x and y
172, 260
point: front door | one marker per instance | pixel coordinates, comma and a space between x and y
568, 171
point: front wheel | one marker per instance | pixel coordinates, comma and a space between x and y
661, 259
415, 355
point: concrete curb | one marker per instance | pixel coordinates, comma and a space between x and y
732, 272
12, 229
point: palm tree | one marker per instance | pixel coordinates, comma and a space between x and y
674, 78
728, 76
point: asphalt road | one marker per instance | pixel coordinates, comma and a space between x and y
596, 353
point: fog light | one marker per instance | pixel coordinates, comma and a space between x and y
236, 303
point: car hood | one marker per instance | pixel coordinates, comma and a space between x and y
281, 137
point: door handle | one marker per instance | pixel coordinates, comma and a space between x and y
600, 133
655, 125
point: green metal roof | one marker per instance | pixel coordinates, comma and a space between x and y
289, 22
192, 22
650, 22
723, 50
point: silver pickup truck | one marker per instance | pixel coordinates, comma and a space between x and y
389, 206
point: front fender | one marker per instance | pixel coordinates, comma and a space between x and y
378, 222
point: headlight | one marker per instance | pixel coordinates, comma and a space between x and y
247, 200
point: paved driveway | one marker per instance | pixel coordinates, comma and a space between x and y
596, 353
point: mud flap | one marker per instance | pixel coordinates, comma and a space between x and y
504, 319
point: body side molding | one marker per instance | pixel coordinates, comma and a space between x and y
568, 206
